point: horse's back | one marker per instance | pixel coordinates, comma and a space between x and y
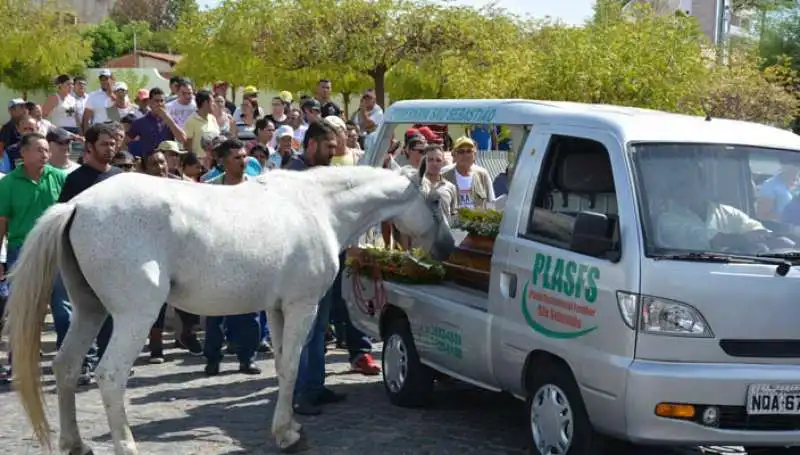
201, 241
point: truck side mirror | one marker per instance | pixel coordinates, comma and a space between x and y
593, 234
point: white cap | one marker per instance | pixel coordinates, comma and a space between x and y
119, 86
284, 131
104, 72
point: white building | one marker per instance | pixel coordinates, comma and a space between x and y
714, 16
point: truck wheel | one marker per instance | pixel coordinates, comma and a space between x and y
558, 419
407, 381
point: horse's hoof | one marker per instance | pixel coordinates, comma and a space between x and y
301, 445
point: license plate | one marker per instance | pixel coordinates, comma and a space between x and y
766, 399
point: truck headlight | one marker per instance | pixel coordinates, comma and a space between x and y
668, 317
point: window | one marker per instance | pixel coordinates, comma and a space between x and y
575, 177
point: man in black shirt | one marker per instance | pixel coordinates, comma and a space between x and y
9, 135
100, 149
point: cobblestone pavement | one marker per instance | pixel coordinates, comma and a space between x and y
174, 409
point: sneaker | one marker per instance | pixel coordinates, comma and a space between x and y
328, 396
189, 342
304, 408
156, 358
86, 377
264, 347
212, 369
249, 368
366, 365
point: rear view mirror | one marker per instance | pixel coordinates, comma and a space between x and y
593, 235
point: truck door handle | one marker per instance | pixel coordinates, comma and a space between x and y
508, 284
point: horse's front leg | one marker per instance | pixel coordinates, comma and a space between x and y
298, 318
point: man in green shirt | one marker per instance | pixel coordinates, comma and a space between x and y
25, 194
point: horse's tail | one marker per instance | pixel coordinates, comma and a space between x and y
32, 283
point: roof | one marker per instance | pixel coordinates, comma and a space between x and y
129, 60
630, 124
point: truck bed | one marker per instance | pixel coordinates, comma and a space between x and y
445, 291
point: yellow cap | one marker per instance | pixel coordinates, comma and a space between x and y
286, 96
250, 89
464, 141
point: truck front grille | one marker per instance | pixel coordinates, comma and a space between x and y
736, 418
783, 349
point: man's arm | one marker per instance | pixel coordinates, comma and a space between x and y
87, 117
3, 232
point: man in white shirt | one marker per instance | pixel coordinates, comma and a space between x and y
184, 106
369, 116
95, 108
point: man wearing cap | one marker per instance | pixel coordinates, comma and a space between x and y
284, 152
221, 88
59, 140
121, 105
173, 152
201, 122
183, 106
369, 116
323, 96
474, 184
9, 135
98, 101
312, 111
250, 93
142, 101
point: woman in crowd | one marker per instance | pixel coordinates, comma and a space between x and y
249, 117
224, 118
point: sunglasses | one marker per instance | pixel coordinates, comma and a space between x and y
463, 151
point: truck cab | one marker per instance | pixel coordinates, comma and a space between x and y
636, 291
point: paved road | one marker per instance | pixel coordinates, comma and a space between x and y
175, 410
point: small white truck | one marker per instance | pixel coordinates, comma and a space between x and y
634, 292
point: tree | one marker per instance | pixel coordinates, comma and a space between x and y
368, 38
653, 61
38, 44
302, 82
159, 14
740, 91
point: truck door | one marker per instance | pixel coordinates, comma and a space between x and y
565, 301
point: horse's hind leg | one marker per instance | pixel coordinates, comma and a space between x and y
275, 321
298, 320
88, 315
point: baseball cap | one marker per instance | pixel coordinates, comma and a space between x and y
59, 136
104, 73
170, 147
16, 102
286, 96
284, 131
312, 104
463, 141
119, 86
429, 135
335, 122
250, 89
142, 94
220, 84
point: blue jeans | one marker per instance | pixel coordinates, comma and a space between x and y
60, 307
245, 335
357, 342
311, 372
262, 324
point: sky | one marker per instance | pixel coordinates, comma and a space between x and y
572, 12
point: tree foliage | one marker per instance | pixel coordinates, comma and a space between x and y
39, 42
158, 14
111, 40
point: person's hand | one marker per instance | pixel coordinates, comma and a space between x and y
159, 111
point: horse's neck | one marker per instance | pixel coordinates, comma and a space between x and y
354, 211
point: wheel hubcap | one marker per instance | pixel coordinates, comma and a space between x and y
551, 420
395, 363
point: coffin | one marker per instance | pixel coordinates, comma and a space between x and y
470, 264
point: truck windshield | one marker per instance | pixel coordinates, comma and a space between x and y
715, 198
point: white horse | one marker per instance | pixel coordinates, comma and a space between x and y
131, 243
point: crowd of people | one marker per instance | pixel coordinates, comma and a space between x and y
201, 136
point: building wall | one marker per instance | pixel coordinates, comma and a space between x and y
87, 11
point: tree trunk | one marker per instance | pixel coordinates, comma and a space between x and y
346, 99
378, 75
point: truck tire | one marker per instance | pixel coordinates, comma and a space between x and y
407, 381
559, 423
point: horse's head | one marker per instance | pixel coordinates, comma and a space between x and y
423, 221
